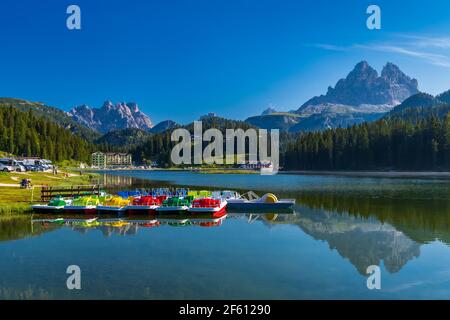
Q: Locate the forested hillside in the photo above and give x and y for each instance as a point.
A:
(24, 133)
(51, 114)
(395, 144)
(158, 146)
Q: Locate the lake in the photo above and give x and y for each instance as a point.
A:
(340, 226)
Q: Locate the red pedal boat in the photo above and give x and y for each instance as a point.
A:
(208, 205)
(145, 205)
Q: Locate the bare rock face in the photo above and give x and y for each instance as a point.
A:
(362, 96)
(363, 86)
(112, 117)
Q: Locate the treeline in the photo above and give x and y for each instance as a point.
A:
(390, 144)
(24, 134)
(393, 143)
(158, 146)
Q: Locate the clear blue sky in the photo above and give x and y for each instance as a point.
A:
(181, 59)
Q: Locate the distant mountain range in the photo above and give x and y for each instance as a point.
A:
(362, 96)
(111, 117)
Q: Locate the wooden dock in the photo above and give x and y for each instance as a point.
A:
(48, 193)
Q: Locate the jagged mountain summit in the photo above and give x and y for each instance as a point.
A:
(363, 95)
(363, 86)
(111, 117)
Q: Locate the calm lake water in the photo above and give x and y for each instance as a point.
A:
(339, 227)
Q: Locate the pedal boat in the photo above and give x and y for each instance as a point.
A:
(83, 205)
(145, 205)
(113, 205)
(208, 206)
(250, 202)
(56, 205)
(175, 205)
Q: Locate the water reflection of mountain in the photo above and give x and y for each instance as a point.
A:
(370, 230)
(364, 241)
(423, 220)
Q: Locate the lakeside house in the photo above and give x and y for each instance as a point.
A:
(104, 160)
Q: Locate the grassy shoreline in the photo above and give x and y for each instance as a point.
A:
(14, 200)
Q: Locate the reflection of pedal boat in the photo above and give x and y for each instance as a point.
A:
(116, 224)
(84, 205)
(88, 223)
(251, 202)
(208, 205)
(46, 221)
(175, 222)
(56, 205)
(114, 204)
(209, 222)
(149, 224)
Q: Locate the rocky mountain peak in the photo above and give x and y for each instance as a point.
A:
(393, 74)
(363, 86)
(112, 116)
(107, 105)
(362, 72)
(133, 106)
(268, 111)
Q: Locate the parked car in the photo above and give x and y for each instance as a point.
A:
(18, 166)
(6, 165)
(34, 168)
(30, 167)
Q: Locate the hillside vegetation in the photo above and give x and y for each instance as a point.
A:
(24, 133)
(51, 114)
